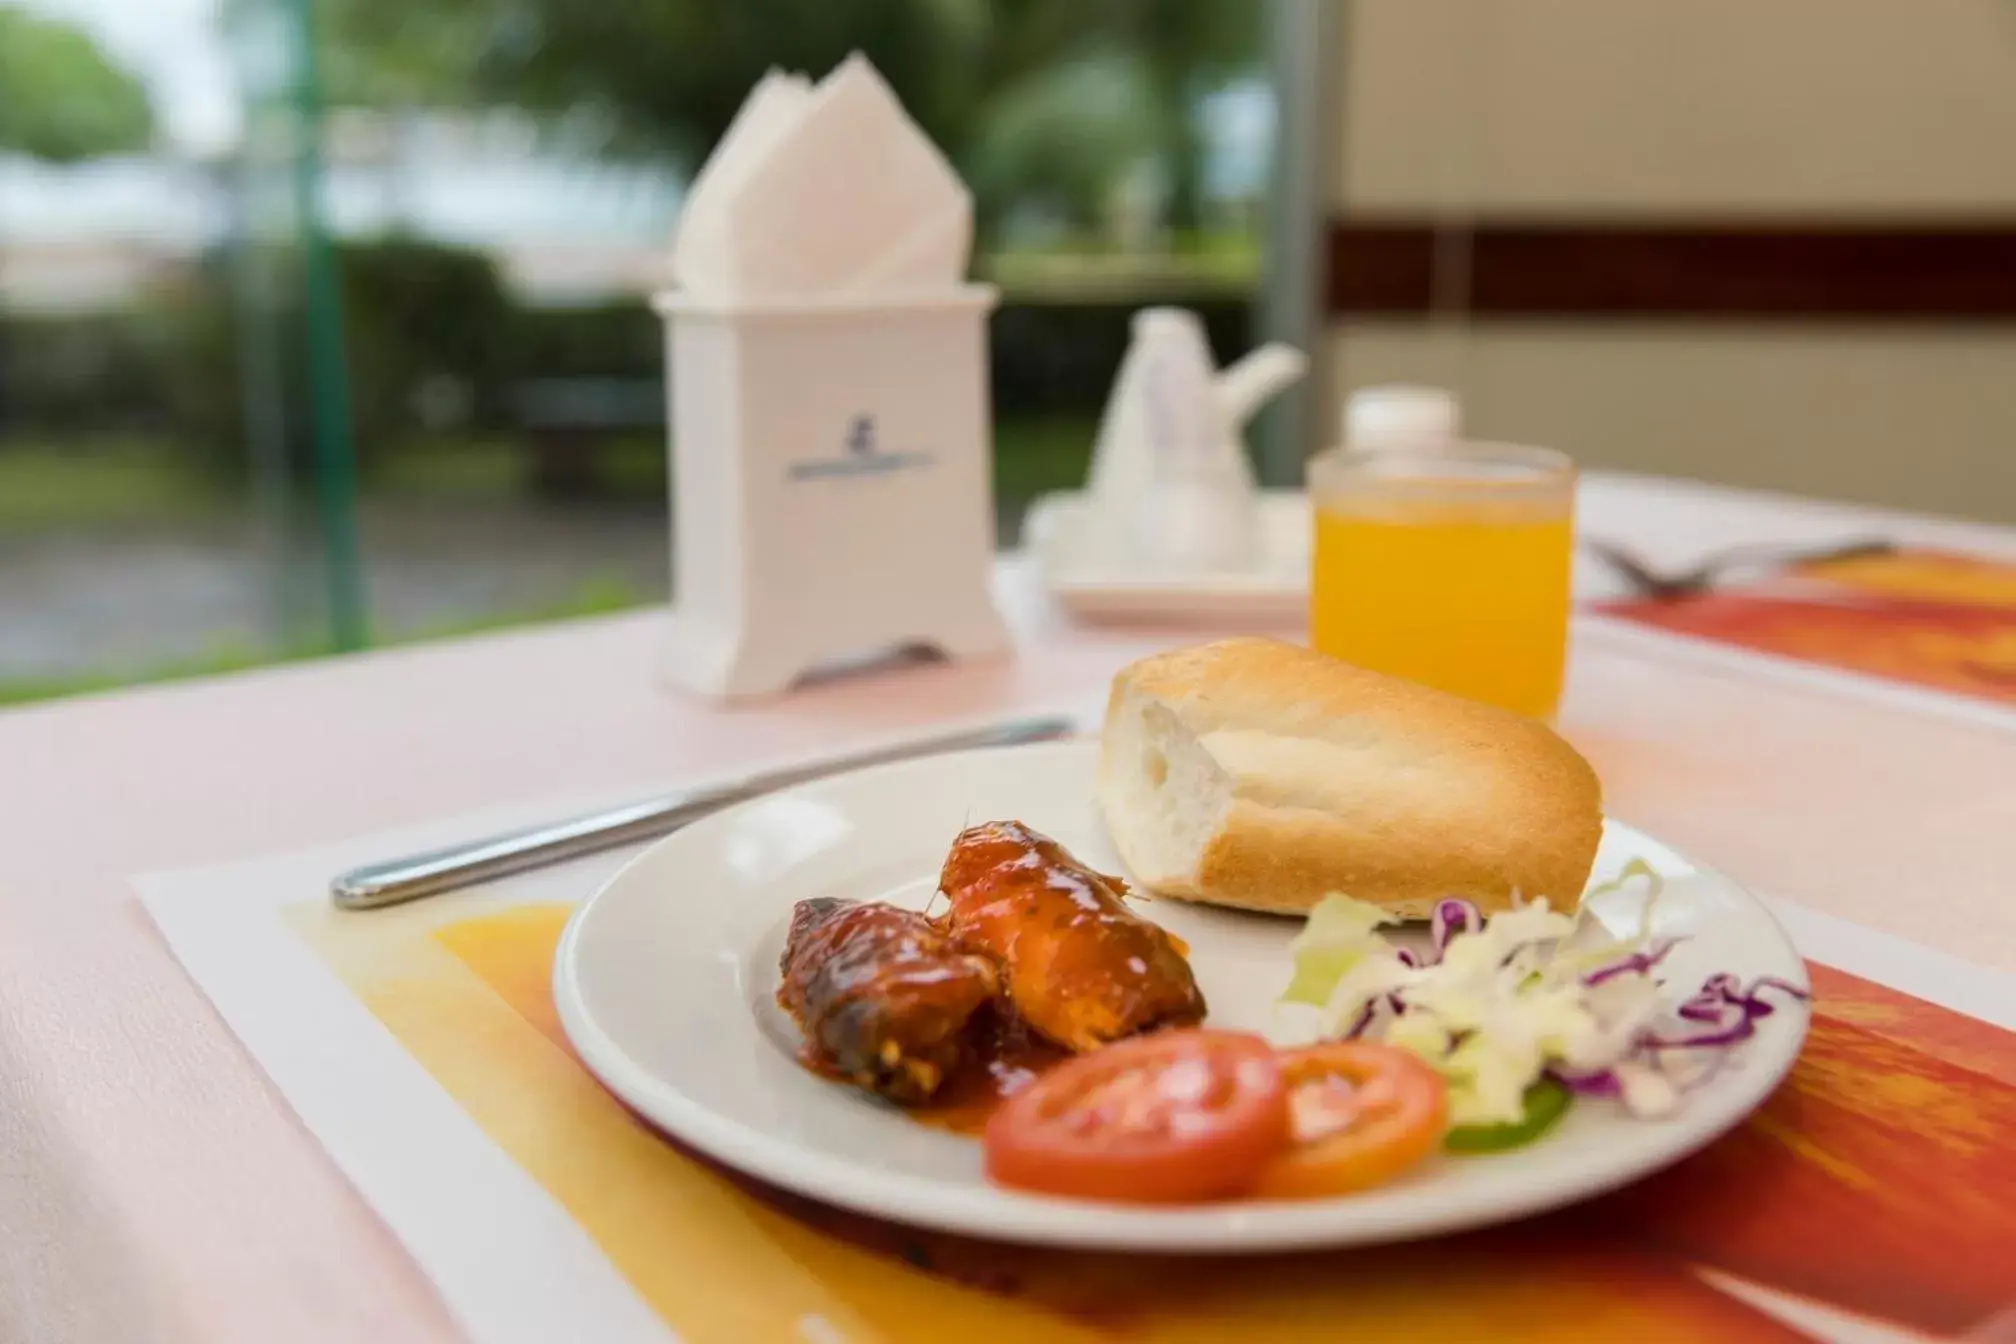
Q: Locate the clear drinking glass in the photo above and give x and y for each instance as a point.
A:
(1447, 565)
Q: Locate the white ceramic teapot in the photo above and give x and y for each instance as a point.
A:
(1170, 478)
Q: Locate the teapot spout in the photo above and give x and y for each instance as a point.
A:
(1245, 386)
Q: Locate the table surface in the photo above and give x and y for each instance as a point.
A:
(156, 1188)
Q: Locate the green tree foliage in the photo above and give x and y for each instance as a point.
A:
(60, 98)
(1042, 98)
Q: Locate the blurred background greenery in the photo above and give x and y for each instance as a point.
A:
(60, 98)
(496, 181)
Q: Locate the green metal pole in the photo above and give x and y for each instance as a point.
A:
(335, 453)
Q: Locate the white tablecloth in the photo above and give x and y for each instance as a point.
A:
(152, 1186)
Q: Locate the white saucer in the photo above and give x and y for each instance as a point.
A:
(1075, 554)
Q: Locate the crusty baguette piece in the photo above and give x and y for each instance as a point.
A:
(1260, 774)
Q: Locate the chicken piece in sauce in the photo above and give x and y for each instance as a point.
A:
(1079, 966)
(882, 995)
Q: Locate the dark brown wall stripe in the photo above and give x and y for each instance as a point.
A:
(1788, 271)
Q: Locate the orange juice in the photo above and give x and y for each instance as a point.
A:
(1454, 579)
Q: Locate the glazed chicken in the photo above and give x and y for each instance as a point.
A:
(882, 995)
(1079, 966)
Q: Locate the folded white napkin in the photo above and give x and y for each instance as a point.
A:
(932, 256)
(823, 189)
(701, 256)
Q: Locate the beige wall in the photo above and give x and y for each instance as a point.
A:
(1633, 106)
(1923, 419)
(1704, 109)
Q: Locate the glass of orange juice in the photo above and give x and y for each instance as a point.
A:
(1447, 564)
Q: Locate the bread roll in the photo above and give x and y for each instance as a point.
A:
(1265, 775)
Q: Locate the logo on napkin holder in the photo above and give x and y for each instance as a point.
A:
(859, 457)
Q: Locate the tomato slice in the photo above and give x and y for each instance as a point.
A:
(1360, 1113)
(1176, 1117)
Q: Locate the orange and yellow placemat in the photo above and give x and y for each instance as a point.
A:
(1870, 1198)
(1923, 618)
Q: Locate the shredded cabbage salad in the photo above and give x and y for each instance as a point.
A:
(1497, 1005)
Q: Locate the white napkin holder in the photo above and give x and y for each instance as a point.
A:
(829, 409)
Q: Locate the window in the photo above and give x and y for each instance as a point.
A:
(328, 326)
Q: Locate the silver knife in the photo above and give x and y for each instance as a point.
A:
(466, 865)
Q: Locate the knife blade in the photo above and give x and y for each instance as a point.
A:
(395, 881)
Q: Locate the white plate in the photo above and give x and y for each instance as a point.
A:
(664, 983)
(1075, 551)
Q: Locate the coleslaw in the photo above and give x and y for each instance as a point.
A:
(1502, 1004)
